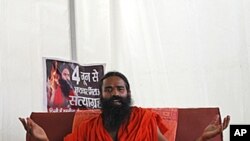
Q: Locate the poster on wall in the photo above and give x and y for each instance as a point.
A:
(70, 86)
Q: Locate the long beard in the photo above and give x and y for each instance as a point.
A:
(114, 115)
(65, 87)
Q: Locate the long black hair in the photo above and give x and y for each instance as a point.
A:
(114, 116)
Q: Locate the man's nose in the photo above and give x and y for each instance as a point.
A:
(115, 92)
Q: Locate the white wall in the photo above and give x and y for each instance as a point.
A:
(175, 53)
(28, 30)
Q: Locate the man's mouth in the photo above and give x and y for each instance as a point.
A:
(117, 102)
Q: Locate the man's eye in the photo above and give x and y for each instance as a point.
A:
(108, 89)
(121, 88)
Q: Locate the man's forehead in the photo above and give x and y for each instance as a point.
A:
(113, 81)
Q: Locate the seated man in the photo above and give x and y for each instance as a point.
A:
(119, 121)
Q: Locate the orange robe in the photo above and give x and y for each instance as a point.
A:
(142, 127)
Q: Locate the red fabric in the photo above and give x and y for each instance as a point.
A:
(142, 127)
(167, 117)
(60, 100)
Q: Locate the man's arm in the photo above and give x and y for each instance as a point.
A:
(34, 129)
(214, 128)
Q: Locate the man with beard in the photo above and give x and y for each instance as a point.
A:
(119, 121)
(61, 89)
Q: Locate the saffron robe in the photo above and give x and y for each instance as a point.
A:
(142, 126)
